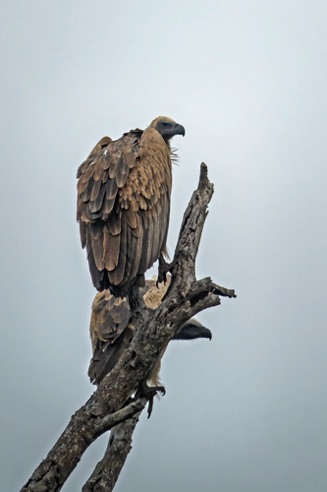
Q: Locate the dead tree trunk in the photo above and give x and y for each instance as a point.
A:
(107, 407)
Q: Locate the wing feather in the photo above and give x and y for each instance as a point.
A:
(95, 188)
(97, 253)
(108, 330)
(96, 230)
(83, 233)
(116, 276)
(111, 188)
(96, 204)
(123, 207)
(135, 251)
(115, 165)
(156, 234)
(115, 224)
(85, 190)
(107, 207)
(111, 246)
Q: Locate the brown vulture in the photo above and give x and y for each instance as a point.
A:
(123, 202)
(111, 331)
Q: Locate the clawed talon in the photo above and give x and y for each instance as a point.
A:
(149, 392)
(163, 269)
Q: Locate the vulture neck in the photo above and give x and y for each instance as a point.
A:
(172, 151)
(167, 142)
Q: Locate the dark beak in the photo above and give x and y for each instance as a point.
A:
(179, 130)
(206, 333)
(191, 331)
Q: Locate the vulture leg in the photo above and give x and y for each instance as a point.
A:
(136, 300)
(149, 392)
(163, 269)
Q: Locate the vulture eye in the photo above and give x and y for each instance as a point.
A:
(165, 124)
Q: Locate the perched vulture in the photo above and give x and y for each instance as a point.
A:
(123, 202)
(111, 331)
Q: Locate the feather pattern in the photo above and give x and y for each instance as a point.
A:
(123, 198)
(111, 330)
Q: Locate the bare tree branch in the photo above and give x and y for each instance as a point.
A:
(153, 330)
(107, 471)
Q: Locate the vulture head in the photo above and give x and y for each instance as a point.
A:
(167, 127)
(192, 329)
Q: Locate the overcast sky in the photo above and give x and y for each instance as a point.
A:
(247, 411)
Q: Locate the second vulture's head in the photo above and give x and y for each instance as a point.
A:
(192, 329)
(167, 127)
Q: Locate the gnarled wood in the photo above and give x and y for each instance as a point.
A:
(107, 471)
(107, 407)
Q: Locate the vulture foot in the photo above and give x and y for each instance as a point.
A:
(149, 392)
(163, 269)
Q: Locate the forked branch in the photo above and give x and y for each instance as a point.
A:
(111, 404)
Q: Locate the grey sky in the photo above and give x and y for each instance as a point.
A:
(247, 79)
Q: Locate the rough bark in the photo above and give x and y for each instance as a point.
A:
(107, 471)
(107, 406)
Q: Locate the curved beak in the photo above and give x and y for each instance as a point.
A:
(192, 329)
(179, 130)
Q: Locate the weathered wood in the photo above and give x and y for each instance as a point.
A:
(107, 471)
(107, 407)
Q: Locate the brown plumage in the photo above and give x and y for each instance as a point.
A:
(123, 202)
(111, 332)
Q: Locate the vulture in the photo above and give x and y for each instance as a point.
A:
(123, 204)
(111, 331)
